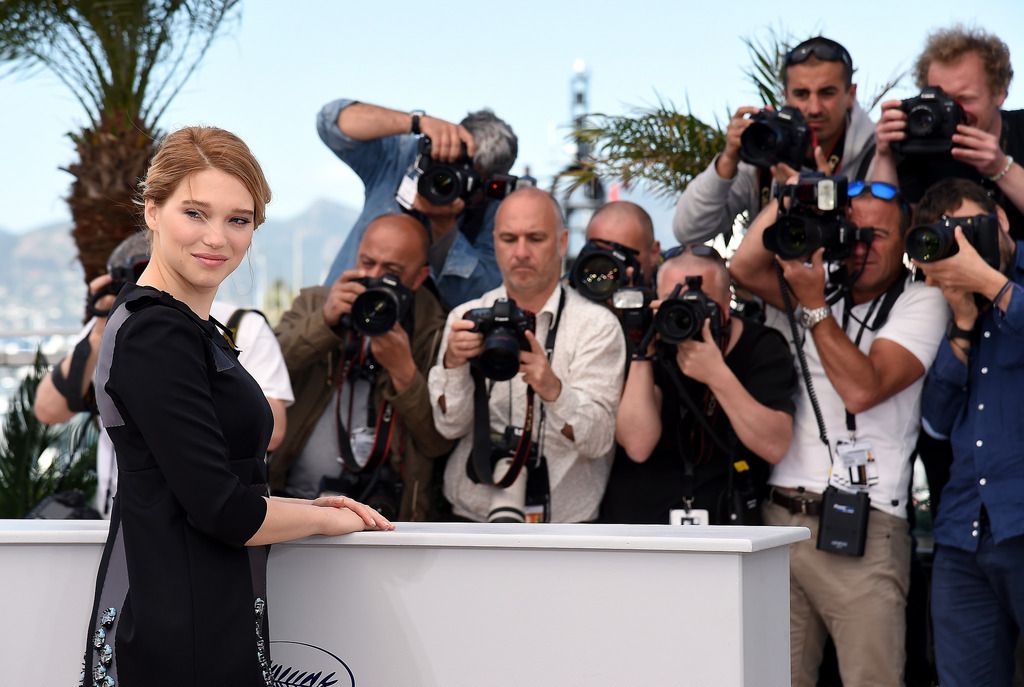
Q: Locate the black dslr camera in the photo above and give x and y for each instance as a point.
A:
(937, 241)
(441, 183)
(504, 326)
(600, 269)
(681, 316)
(816, 217)
(776, 136)
(123, 269)
(932, 118)
(376, 310)
(380, 489)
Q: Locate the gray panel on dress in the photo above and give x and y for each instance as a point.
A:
(108, 411)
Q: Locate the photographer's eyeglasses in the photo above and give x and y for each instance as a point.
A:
(824, 49)
(878, 189)
(699, 250)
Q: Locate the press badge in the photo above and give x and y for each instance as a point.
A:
(855, 467)
(693, 516)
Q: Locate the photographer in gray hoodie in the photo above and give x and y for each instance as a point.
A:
(818, 79)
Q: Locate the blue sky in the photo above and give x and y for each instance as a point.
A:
(268, 76)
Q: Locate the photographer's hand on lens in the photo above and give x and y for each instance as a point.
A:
(394, 351)
(728, 162)
(343, 293)
(447, 139)
(463, 344)
(104, 304)
(964, 271)
(806, 279)
(537, 372)
(891, 127)
(370, 518)
(979, 149)
(701, 360)
(786, 175)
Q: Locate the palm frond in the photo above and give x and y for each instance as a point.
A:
(658, 147)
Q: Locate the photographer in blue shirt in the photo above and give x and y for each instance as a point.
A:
(381, 145)
(972, 396)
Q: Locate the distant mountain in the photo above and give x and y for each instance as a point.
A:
(42, 287)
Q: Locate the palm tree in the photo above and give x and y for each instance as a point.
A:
(124, 61)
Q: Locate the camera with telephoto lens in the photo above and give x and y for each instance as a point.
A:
(775, 136)
(816, 217)
(504, 326)
(124, 267)
(932, 118)
(385, 302)
(937, 241)
(601, 268)
(681, 316)
(509, 504)
(380, 489)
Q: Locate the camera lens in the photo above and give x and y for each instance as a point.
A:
(795, 238)
(678, 321)
(375, 312)
(500, 359)
(928, 243)
(598, 276)
(921, 121)
(440, 185)
(760, 144)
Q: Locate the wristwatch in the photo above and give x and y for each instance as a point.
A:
(810, 317)
(416, 114)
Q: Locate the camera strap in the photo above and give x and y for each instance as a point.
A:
(70, 387)
(384, 423)
(480, 467)
(883, 305)
(728, 449)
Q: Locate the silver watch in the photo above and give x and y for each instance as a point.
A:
(812, 316)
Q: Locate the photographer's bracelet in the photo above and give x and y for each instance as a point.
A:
(1000, 175)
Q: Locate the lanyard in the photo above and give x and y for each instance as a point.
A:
(384, 422)
(851, 419)
(479, 466)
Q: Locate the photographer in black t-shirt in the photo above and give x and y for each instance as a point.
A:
(738, 375)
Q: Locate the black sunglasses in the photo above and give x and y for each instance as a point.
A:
(824, 49)
(699, 250)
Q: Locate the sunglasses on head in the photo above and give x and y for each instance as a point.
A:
(699, 250)
(824, 49)
(878, 189)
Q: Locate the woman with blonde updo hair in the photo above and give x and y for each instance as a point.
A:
(181, 591)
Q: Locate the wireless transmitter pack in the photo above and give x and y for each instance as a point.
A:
(843, 526)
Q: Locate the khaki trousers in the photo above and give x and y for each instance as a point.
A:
(860, 602)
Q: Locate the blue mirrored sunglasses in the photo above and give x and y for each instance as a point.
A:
(879, 189)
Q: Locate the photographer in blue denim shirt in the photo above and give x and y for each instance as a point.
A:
(972, 396)
(382, 146)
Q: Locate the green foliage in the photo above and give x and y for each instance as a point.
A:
(767, 57)
(125, 56)
(658, 146)
(26, 476)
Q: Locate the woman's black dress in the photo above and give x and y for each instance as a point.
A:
(179, 599)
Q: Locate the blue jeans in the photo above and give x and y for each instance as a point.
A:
(977, 609)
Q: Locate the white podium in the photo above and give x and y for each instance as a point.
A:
(452, 604)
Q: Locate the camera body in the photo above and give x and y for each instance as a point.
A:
(816, 217)
(124, 271)
(381, 489)
(932, 118)
(504, 326)
(440, 183)
(600, 269)
(937, 241)
(775, 136)
(385, 302)
(681, 317)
